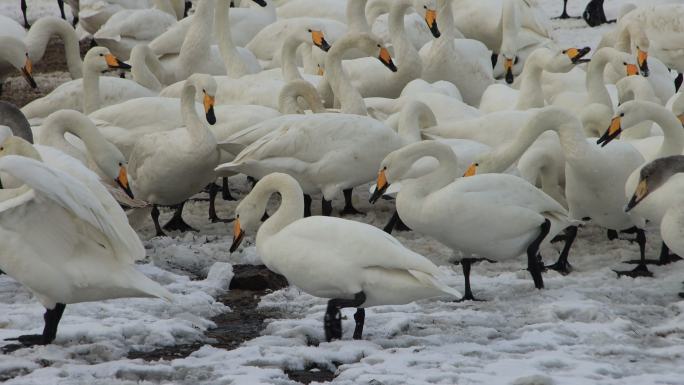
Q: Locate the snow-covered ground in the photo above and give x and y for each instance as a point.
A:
(586, 328)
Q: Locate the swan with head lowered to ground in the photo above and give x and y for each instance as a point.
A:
(352, 263)
(655, 205)
(187, 154)
(91, 92)
(14, 56)
(594, 178)
(516, 216)
(67, 240)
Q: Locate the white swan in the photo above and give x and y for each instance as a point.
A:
(91, 92)
(494, 216)
(499, 97)
(652, 177)
(653, 207)
(127, 28)
(71, 241)
(370, 77)
(39, 35)
(377, 15)
(96, 152)
(188, 153)
(464, 62)
(594, 178)
(94, 13)
(9, 27)
(325, 9)
(362, 268)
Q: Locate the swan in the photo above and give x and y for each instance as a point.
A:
(11, 116)
(70, 241)
(652, 177)
(188, 153)
(94, 13)
(9, 27)
(365, 267)
(464, 62)
(324, 9)
(13, 54)
(129, 27)
(96, 153)
(516, 216)
(39, 35)
(594, 178)
(499, 97)
(370, 77)
(417, 32)
(653, 207)
(73, 4)
(91, 92)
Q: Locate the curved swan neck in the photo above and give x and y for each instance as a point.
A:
(356, 16)
(291, 203)
(445, 21)
(509, 25)
(568, 127)
(409, 62)
(146, 69)
(531, 92)
(673, 134)
(194, 125)
(596, 88)
(443, 175)
(91, 89)
(196, 45)
(350, 99)
(412, 115)
(235, 67)
(635, 88)
(287, 100)
(39, 35)
(288, 56)
(59, 123)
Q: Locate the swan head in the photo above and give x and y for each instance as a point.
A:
(113, 164)
(15, 52)
(373, 47)
(101, 60)
(318, 38)
(14, 145)
(653, 175)
(206, 84)
(628, 114)
(576, 55)
(428, 10)
(678, 108)
(642, 45)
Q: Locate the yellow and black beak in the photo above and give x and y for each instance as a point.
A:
(380, 187)
(386, 59)
(321, 71)
(577, 55)
(209, 108)
(122, 181)
(639, 195)
(431, 20)
(508, 67)
(472, 170)
(319, 40)
(238, 235)
(27, 72)
(613, 131)
(642, 60)
(681, 118)
(631, 69)
(115, 64)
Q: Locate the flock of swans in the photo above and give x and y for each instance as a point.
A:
(487, 136)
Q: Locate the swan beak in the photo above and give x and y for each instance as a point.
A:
(262, 3)
(472, 170)
(613, 131)
(319, 40)
(576, 55)
(321, 71)
(632, 69)
(639, 195)
(380, 187)
(122, 181)
(209, 109)
(642, 59)
(508, 66)
(681, 118)
(238, 235)
(386, 59)
(27, 72)
(115, 63)
(431, 20)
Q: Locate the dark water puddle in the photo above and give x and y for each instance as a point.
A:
(243, 323)
(311, 374)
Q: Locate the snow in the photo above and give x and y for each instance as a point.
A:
(589, 327)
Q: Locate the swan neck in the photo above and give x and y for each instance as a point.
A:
(445, 21)
(288, 99)
(196, 45)
(289, 59)
(91, 90)
(408, 59)
(410, 123)
(442, 176)
(39, 35)
(356, 16)
(291, 206)
(146, 69)
(350, 98)
(531, 92)
(192, 122)
(673, 134)
(596, 88)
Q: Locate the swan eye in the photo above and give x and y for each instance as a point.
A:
(425, 6)
(384, 168)
(309, 30)
(379, 46)
(622, 114)
(2, 148)
(120, 164)
(477, 164)
(101, 54)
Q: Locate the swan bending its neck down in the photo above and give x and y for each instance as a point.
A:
(70, 241)
(366, 267)
(14, 52)
(518, 217)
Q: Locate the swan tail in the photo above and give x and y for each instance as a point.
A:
(432, 281)
(149, 287)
